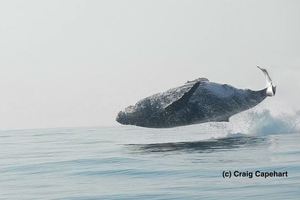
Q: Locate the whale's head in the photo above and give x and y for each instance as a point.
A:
(126, 116)
(121, 118)
(141, 114)
(132, 115)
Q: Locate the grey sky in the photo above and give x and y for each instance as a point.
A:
(77, 63)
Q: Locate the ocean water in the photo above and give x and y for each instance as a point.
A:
(127, 162)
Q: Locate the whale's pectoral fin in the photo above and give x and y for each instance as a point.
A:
(224, 119)
(176, 105)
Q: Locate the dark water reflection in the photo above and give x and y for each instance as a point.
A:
(228, 143)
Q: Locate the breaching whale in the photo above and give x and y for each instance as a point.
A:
(196, 101)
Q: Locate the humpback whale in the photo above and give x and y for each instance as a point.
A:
(196, 101)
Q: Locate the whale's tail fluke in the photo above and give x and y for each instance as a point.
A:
(271, 89)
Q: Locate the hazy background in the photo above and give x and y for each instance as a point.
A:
(77, 63)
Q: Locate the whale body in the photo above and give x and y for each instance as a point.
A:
(196, 101)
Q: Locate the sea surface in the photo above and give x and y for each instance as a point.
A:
(127, 162)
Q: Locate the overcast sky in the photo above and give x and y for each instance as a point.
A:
(67, 63)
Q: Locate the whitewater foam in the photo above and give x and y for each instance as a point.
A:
(264, 122)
